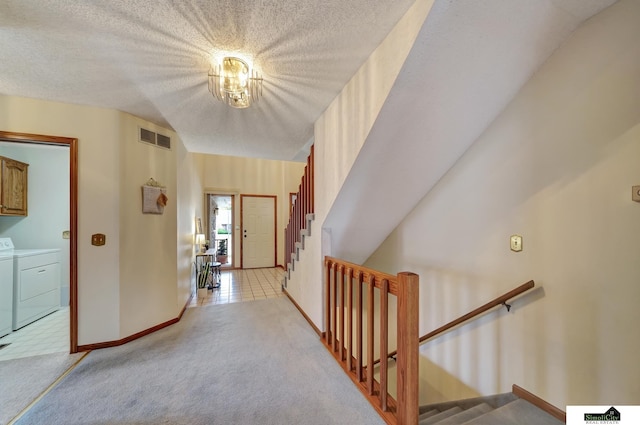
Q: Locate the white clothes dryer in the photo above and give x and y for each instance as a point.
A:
(6, 286)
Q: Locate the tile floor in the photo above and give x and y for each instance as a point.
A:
(51, 333)
(244, 285)
(45, 336)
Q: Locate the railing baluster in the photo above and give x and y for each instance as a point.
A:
(334, 306)
(359, 328)
(349, 319)
(303, 195)
(309, 182)
(312, 174)
(327, 310)
(341, 313)
(299, 213)
(384, 341)
(370, 335)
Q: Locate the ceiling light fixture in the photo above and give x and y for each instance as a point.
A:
(234, 83)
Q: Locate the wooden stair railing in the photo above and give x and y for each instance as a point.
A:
(345, 281)
(501, 300)
(303, 205)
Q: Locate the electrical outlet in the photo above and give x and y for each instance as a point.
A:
(516, 243)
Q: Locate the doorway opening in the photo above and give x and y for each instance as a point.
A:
(220, 213)
(69, 293)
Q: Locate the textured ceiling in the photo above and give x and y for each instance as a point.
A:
(150, 58)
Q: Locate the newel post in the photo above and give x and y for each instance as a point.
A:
(407, 357)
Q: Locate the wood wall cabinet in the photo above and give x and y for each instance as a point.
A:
(13, 190)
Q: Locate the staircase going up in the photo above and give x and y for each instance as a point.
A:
(294, 255)
(501, 409)
(300, 218)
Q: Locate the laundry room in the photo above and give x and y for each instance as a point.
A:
(34, 232)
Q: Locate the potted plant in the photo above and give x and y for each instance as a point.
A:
(221, 254)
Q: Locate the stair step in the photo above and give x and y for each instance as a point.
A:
(440, 416)
(467, 415)
(494, 401)
(518, 412)
(428, 414)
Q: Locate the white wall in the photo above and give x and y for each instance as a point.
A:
(556, 167)
(339, 135)
(47, 203)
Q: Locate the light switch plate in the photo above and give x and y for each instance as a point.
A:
(635, 193)
(516, 243)
(98, 239)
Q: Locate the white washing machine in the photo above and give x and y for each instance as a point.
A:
(36, 284)
(6, 286)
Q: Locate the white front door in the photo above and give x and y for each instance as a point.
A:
(258, 231)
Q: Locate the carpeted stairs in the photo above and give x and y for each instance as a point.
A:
(502, 409)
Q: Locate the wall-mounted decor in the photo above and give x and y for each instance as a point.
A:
(154, 197)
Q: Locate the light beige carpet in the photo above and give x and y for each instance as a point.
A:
(245, 363)
(23, 380)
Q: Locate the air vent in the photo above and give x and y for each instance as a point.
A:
(164, 141)
(148, 136)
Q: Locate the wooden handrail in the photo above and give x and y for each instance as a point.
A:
(488, 306)
(345, 283)
(482, 309)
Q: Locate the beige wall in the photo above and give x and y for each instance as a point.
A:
(556, 167)
(98, 134)
(189, 202)
(249, 176)
(136, 280)
(148, 269)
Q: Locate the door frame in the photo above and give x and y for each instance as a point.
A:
(275, 226)
(231, 248)
(72, 143)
